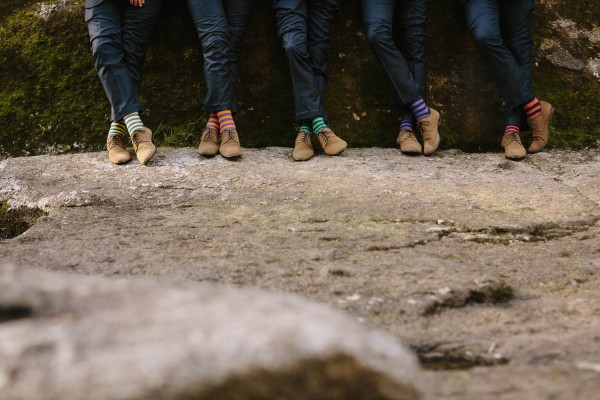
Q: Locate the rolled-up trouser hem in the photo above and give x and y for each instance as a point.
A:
(136, 107)
(219, 107)
(310, 115)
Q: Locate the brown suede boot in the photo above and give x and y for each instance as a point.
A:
(117, 153)
(428, 127)
(303, 148)
(209, 142)
(142, 144)
(230, 144)
(539, 127)
(408, 142)
(513, 148)
(331, 144)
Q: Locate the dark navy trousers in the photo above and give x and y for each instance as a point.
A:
(221, 26)
(396, 31)
(120, 35)
(502, 30)
(305, 29)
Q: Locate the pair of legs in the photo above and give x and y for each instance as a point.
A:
(220, 25)
(502, 30)
(396, 31)
(120, 34)
(305, 29)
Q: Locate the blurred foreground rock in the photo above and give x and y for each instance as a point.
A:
(64, 336)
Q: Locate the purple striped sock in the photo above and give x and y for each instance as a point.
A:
(406, 124)
(420, 109)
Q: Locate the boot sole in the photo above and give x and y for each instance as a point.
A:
(207, 154)
(302, 159)
(231, 155)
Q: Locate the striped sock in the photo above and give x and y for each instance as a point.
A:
(117, 128)
(532, 108)
(420, 109)
(512, 128)
(406, 124)
(306, 126)
(318, 124)
(213, 121)
(133, 122)
(226, 120)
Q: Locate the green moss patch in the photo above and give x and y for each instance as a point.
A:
(14, 222)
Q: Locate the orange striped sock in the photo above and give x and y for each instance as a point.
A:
(532, 107)
(213, 121)
(226, 120)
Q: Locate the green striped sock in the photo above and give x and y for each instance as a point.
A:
(306, 126)
(318, 124)
(133, 122)
(117, 128)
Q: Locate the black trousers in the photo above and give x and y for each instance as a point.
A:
(120, 35)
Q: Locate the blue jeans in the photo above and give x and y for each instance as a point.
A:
(502, 30)
(120, 35)
(304, 27)
(220, 25)
(396, 31)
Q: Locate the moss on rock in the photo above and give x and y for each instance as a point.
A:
(52, 101)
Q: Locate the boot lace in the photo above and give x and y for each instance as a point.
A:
(423, 125)
(407, 134)
(230, 135)
(535, 123)
(305, 137)
(210, 135)
(115, 140)
(513, 137)
(326, 134)
(136, 139)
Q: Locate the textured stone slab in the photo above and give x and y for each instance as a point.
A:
(64, 336)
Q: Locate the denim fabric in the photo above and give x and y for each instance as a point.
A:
(220, 25)
(304, 27)
(396, 33)
(502, 30)
(120, 35)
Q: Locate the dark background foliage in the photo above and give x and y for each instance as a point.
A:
(51, 100)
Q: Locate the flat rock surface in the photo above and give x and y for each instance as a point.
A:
(489, 269)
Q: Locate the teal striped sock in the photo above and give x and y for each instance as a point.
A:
(306, 127)
(117, 128)
(318, 124)
(133, 122)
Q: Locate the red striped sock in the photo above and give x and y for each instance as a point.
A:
(532, 107)
(226, 120)
(213, 121)
(511, 128)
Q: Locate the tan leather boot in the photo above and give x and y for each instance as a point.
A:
(303, 148)
(142, 144)
(408, 142)
(539, 127)
(209, 142)
(513, 148)
(428, 127)
(331, 144)
(117, 153)
(230, 144)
